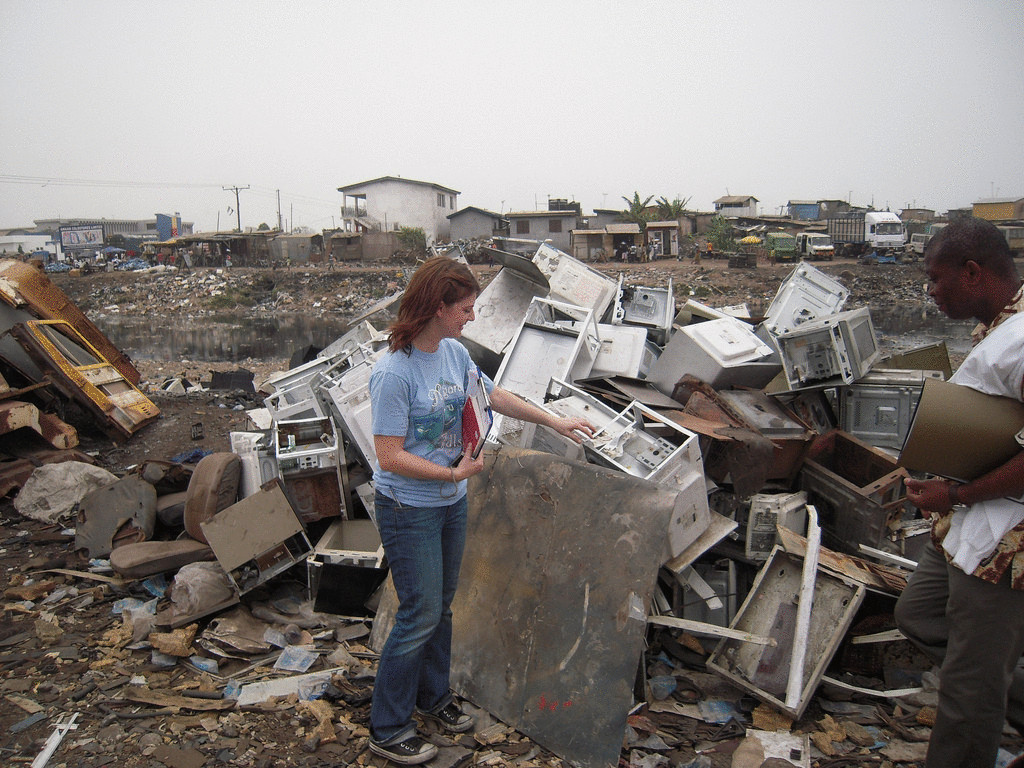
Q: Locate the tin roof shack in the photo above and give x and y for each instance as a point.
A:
(344, 246)
(999, 208)
(736, 205)
(665, 235)
(590, 244)
(212, 249)
(298, 249)
(477, 223)
(552, 227)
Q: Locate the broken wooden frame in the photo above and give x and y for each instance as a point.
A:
(770, 610)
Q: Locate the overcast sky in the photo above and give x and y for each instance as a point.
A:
(127, 109)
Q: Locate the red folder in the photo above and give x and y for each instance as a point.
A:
(476, 415)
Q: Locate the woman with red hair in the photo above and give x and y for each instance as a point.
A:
(417, 393)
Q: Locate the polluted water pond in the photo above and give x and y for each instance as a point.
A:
(234, 338)
(220, 339)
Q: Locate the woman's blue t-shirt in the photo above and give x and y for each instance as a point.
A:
(420, 396)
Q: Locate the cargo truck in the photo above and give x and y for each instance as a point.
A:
(781, 246)
(863, 233)
(1014, 235)
(814, 245)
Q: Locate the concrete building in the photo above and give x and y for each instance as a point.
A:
(804, 210)
(604, 216)
(917, 214)
(144, 228)
(999, 208)
(736, 205)
(477, 223)
(553, 227)
(390, 203)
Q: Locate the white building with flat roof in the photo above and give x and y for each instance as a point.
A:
(391, 203)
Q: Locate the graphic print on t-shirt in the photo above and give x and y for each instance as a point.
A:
(438, 426)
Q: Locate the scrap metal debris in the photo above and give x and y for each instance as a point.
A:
(674, 541)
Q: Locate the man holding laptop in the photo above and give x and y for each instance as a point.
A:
(964, 604)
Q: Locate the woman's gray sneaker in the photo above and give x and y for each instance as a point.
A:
(412, 751)
(450, 717)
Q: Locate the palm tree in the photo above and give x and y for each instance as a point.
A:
(671, 210)
(637, 212)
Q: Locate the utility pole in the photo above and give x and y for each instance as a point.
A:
(279, 211)
(238, 209)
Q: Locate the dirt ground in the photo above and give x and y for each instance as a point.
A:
(84, 665)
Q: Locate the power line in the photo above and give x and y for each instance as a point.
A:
(56, 181)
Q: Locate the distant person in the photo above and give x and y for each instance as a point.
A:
(964, 603)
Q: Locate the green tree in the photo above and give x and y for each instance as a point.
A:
(671, 210)
(637, 212)
(263, 227)
(413, 238)
(721, 235)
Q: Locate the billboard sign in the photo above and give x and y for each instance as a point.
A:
(81, 237)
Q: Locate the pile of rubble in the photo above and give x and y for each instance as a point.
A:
(736, 530)
(205, 292)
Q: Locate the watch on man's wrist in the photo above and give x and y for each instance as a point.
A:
(953, 490)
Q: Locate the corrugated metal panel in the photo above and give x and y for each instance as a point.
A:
(994, 210)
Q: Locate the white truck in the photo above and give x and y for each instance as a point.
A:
(863, 233)
(814, 245)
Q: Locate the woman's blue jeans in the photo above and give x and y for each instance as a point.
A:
(424, 549)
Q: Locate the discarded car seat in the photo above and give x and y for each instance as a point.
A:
(170, 509)
(148, 558)
(120, 513)
(166, 476)
(213, 487)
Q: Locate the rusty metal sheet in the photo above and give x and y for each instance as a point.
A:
(315, 493)
(561, 562)
(82, 374)
(23, 284)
